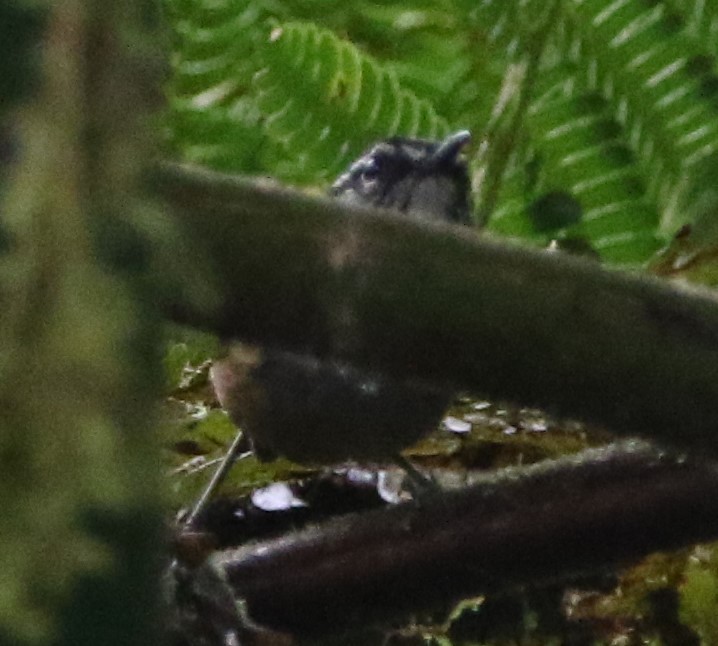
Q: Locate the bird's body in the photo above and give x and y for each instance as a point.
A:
(321, 412)
(315, 411)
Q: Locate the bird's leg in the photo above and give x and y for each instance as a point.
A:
(420, 486)
(216, 480)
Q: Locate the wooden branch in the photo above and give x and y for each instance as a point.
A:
(552, 521)
(635, 354)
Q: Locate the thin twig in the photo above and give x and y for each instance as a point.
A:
(217, 478)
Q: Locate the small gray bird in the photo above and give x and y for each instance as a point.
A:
(316, 411)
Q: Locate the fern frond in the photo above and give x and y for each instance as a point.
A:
(213, 44)
(583, 151)
(324, 99)
(213, 120)
(648, 60)
(702, 21)
(620, 120)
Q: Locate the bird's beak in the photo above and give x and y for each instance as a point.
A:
(450, 148)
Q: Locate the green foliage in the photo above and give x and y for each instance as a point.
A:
(20, 27)
(617, 107)
(364, 101)
(78, 367)
(186, 352)
(699, 596)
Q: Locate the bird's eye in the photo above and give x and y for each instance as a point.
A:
(370, 174)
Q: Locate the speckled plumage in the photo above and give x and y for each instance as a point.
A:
(422, 178)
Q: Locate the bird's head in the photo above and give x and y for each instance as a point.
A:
(425, 179)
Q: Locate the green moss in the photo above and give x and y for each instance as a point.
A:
(699, 597)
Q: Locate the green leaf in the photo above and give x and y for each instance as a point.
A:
(333, 110)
